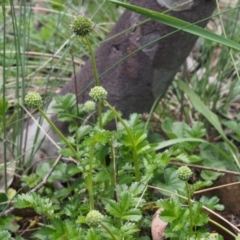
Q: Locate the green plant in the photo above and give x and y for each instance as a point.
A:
(187, 222)
(121, 201)
(116, 168)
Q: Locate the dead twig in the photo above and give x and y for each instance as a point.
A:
(207, 168)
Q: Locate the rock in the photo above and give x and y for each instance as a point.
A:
(157, 226)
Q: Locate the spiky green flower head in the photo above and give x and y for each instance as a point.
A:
(184, 173)
(33, 100)
(81, 26)
(98, 94)
(94, 218)
(89, 106)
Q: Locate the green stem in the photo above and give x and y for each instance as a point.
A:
(135, 156)
(223, 228)
(108, 230)
(96, 78)
(94, 65)
(100, 114)
(53, 126)
(89, 180)
(190, 207)
(113, 176)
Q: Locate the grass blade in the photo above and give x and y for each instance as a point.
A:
(180, 24)
(212, 118)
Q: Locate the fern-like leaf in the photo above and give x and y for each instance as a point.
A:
(123, 209)
(40, 205)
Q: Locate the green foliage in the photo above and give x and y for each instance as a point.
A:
(59, 229)
(93, 235)
(171, 182)
(182, 130)
(212, 157)
(211, 203)
(41, 205)
(3, 201)
(235, 127)
(107, 117)
(174, 129)
(66, 108)
(201, 184)
(61, 172)
(7, 223)
(93, 144)
(124, 208)
(110, 185)
(178, 219)
(97, 136)
(110, 171)
(5, 235)
(214, 120)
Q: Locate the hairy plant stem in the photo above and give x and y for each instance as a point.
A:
(135, 156)
(94, 65)
(99, 105)
(96, 78)
(56, 130)
(190, 208)
(108, 230)
(89, 179)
